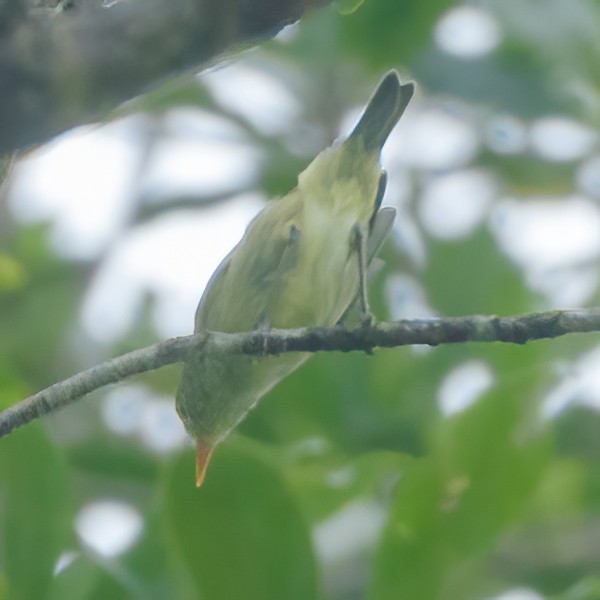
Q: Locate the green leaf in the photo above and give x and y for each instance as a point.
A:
(482, 470)
(347, 7)
(241, 535)
(77, 581)
(491, 284)
(324, 484)
(401, 29)
(410, 556)
(12, 273)
(493, 462)
(37, 512)
(588, 589)
(137, 575)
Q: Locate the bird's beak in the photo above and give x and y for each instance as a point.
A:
(203, 456)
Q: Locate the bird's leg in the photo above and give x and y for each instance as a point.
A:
(263, 325)
(359, 245)
(341, 323)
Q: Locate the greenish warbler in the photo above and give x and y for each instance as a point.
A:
(301, 263)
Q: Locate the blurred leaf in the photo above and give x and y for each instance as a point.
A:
(141, 573)
(35, 318)
(588, 589)
(514, 79)
(12, 274)
(528, 176)
(178, 92)
(37, 519)
(324, 484)
(561, 491)
(76, 581)
(105, 455)
(484, 467)
(471, 276)
(347, 7)
(151, 560)
(92, 577)
(577, 433)
(567, 40)
(241, 535)
(410, 559)
(384, 33)
(12, 386)
(494, 464)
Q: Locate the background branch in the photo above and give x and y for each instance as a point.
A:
(61, 67)
(516, 329)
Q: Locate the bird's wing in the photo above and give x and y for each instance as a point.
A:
(213, 283)
(249, 282)
(381, 227)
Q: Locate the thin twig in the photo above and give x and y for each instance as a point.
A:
(432, 332)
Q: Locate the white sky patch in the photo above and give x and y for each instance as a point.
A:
(588, 177)
(161, 428)
(84, 180)
(560, 139)
(123, 408)
(109, 527)
(406, 297)
(188, 166)
(399, 188)
(453, 205)
(172, 258)
(468, 32)
(349, 531)
(555, 242)
(549, 233)
(580, 383)
(518, 594)
(463, 386)
(505, 134)
(432, 138)
(80, 182)
(192, 123)
(409, 239)
(565, 286)
(254, 94)
(135, 410)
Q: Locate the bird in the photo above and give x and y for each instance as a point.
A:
(301, 262)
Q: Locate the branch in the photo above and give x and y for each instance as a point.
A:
(432, 332)
(64, 67)
(151, 208)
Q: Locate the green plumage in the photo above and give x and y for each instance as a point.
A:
(296, 266)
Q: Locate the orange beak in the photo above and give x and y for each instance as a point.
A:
(203, 456)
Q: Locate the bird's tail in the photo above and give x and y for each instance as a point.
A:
(384, 109)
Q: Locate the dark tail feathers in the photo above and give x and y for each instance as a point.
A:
(383, 111)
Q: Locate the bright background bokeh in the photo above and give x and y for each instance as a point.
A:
(455, 472)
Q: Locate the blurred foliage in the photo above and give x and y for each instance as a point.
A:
(349, 481)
